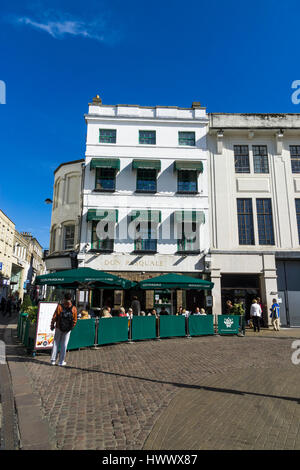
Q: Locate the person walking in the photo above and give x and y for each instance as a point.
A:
(63, 321)
(255, 314)
(136, 306)
(275, 315)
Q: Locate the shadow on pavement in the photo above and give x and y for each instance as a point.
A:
(163, 382)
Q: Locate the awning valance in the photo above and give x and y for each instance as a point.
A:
(189, 216)
(84, 278)
(194, 165)
(146, 164)
(110, 215)
(175, 281)
(105, 163)
(146, 216)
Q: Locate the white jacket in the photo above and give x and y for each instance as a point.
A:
(255, 310)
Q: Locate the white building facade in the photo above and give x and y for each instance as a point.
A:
(254, 180)
(145, 192)
(66, 216)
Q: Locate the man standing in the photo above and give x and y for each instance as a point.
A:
(63, 320)
(275, 315)
(255, 314)
(136, 306)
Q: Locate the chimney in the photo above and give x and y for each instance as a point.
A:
(196, 105)
(97, 100)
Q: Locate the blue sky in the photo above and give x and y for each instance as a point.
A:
(231, 56)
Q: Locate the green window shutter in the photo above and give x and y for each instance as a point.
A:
(146, 215)
(146, 164)
(189, 216)
(105, 163)
(111, 215)
(188, 165)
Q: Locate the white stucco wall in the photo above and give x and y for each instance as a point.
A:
(167, 122)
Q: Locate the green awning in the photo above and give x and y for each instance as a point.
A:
(111, 215)
(105, 163)
(146, 216)
(85, 278)
(175, 281)
(195, 165)
(146, 164)
(189, 216)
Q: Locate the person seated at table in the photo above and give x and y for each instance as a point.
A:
(185, 312)
(105, 313)
(130, 313)
(143, 314)
(122, 312)
(197, 311)
(202, 311)
(163, 311)
(180, 310)
(84, 315)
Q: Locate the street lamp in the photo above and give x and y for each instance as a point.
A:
(48, 201)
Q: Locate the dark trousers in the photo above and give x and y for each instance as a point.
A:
(256, 323)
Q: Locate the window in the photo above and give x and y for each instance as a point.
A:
(187, 181)
(107, 136)
(146, 237)
(105, 179)
(245, 221)
(295, 158)
(146, 180)
(107, 242)
(297, 201)
(69, 233)
(265, 222)
(147, 137)
(241, 159)
(189, 240)
(260, 159)
(186, 138)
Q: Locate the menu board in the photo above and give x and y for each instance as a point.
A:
(44, 336)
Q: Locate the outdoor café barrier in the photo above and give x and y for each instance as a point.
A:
(112, 330)
(102, 331)
(83, 334)
(201, 325)
(143, 328)
(171, 325)
(228, 324)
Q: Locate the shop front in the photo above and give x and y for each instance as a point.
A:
(240, 288)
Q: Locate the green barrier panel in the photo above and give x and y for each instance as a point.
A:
(201, 325)
(22, 324)
(83, 335)
(23, 329)
(19, 325)
(143, 328)
(171, 325)
(26, 332)
(112, 330)
(228, 324)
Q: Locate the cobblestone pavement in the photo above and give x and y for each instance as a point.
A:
(204, 392)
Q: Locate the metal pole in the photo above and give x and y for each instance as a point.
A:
(130, 332)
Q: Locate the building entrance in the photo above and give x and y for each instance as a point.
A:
(241, 287)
